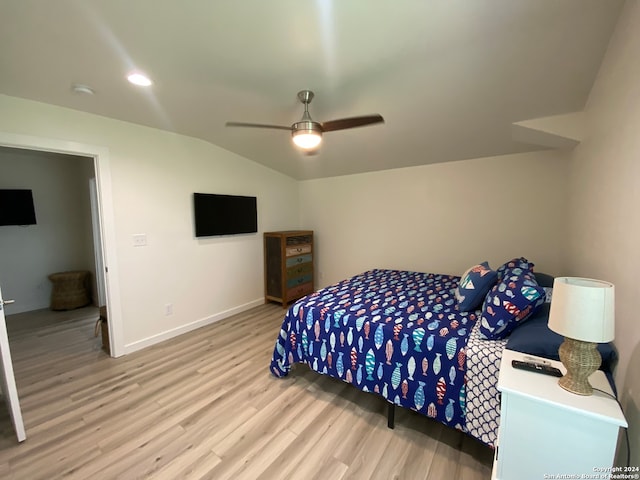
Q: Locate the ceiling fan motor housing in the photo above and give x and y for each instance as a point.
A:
(306, 126)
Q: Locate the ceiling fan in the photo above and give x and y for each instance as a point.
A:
(307, 133)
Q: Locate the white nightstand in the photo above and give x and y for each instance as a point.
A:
(546, 431)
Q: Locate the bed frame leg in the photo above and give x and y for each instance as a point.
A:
(391, 415)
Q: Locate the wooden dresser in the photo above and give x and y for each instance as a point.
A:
(288, 265)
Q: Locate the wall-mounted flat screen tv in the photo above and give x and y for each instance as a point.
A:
(224, 214)
(16, 207)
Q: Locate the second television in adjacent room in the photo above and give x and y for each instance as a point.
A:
(16, 207)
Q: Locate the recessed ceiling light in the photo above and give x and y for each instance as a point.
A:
(82, 89)
(140, 79)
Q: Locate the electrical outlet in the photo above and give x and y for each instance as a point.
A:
(140, 240)
(168, 309)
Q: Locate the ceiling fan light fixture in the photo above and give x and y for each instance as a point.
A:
(306, 135)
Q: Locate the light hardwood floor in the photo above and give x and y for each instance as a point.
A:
(204, 405)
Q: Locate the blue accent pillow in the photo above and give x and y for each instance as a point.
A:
(520, 265)
(474, 285)
(514, 299)
(535, 338)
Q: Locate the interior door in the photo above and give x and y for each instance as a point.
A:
(9, 390)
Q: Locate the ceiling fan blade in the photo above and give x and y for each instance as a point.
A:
(344, 123)
(256, 125)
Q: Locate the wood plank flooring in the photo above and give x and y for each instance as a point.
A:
(204, 406)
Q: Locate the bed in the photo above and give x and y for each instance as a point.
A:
(415, 339)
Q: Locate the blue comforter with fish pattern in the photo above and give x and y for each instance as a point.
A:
(396, 333)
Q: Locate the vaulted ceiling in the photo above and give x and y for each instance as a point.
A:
(450, 77)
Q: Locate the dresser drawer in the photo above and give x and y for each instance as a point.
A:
(299, 291)
(299, 260)
(293, 282)
(298, 250)
(298, 270)
(299, 240)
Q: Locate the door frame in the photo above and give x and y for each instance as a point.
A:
(97, 241)
(106, 223)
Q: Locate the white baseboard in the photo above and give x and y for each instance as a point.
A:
(161, 337)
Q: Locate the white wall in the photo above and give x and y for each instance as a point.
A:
(153, 175)
(440, 218)
(61, 239)
(605, 200)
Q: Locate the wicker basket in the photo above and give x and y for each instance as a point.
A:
(70, 290)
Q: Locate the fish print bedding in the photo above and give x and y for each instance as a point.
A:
(395, 333)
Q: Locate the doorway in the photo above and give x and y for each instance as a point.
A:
(104, 223)
(61, 238)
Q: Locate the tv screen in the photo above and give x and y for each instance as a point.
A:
(16, 207)
(224, 214)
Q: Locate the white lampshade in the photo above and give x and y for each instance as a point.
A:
(583, 309)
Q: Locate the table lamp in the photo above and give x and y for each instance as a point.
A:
(582, 310)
